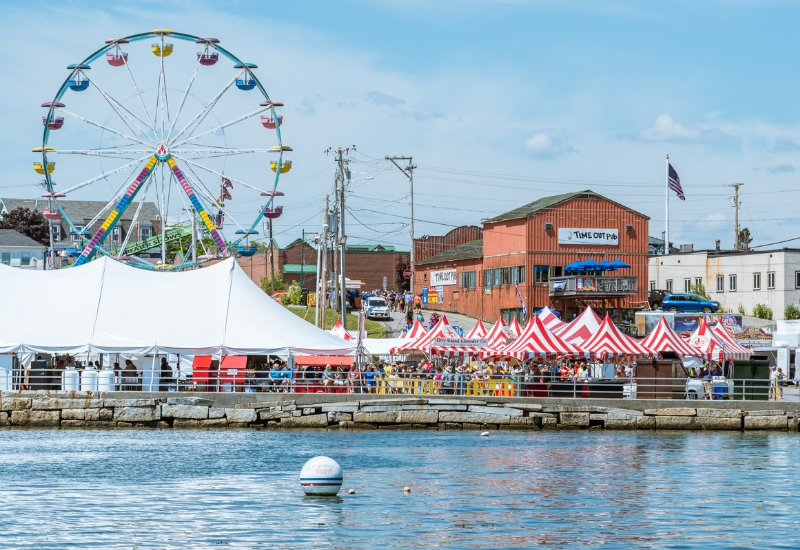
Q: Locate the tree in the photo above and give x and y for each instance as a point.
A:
(30, 223)
(700, 290)
(184, 246)
(744, 239)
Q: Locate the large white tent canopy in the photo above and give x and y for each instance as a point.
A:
(108, 307)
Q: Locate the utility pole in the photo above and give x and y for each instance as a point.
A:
(318, 242)
(736, 187)
(302, 258)
(271, 262)
(323, 295)
(342, 173)
(194, 238)
(409, 173)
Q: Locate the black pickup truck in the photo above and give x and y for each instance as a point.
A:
(655, 297)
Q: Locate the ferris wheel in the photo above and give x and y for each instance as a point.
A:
(147, 119)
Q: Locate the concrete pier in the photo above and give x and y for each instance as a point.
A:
(58, 409)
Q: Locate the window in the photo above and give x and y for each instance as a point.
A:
(732, 283)
(756, 281)
(770, 279)
(26, 258)
(55, 230)
(6, 258)
(116, 233)
(145, 232)
(487, 278)
(541, 273)
(467, 279)
(425, 276)
(521, 274)
(514, 276)
(511, 313)
(720, 283)
(557, 270)
(687, 285)
(652, 285)
(77, 237)
(669, 285)
(497, 277)
(797, 279)
(698, 281)
(506, 277)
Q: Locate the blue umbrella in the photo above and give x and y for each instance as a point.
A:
(607, 266)
(591, 265)
(619, 264)
(574, 267)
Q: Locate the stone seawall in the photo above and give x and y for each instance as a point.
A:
(38, 409)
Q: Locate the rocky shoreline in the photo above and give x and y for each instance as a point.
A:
(37, 409)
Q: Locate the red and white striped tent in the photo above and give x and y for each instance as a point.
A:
(478, 331)
(608, 341)
(715, 346)
(733, 347)
(550, 319)
(339, 330)
(514, 329)
(497, 338)
(583, 327)
(425, 342)
(417, 330)
(663, 338)
(538, 340)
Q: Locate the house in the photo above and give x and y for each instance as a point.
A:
(86, 215)
(17, 250)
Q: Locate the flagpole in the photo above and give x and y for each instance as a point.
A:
(666, 203)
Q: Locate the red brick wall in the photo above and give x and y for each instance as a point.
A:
(427, 247)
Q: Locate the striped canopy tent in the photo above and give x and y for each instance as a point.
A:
(478, 331)
(424, 343)
(731, 345)
(514, 329)
(550, 319)
(608, 341)
(538, 340)
(663, 338)
(583, 327)
(497, 338)
(339, 330)
(715, 346)
(417, 330)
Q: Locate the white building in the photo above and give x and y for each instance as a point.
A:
(17, 250)
(734, 279)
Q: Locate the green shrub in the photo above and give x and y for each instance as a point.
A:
(761, 311)
(741, 309)
(266, 284)
(700, 290)
(292, 298)
(792, 312)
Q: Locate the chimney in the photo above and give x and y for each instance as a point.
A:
(717, 244)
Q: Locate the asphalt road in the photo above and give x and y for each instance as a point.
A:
(397, 325)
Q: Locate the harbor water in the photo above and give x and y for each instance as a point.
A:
(240, 489)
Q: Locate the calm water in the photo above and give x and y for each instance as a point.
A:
(240, 489)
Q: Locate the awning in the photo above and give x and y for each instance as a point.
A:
(322, 360)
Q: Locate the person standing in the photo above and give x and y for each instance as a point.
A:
(165, 378)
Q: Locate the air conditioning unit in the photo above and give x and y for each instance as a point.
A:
(687, 247)
(548, 226)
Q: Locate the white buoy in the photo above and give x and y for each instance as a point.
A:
(406, 489)
(485, 434)
(351, 492)
(321, 476)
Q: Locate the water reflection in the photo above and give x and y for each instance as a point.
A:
(170, 489)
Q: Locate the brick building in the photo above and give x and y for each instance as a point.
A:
(374, 265)
(528, 248)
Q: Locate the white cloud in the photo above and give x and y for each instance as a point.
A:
(667, 129)
(548, 144)
(384, 100)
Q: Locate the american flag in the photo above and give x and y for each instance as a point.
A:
(675, 183)
(522, 303)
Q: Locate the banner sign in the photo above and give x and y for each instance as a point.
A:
(424, 295)
(604, 237)
(586, 283)
(559, 284)
(446, 277)
(461, 342)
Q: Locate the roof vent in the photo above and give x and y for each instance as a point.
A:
(687, 247)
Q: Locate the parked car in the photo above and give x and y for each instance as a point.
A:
(377, 308)
(688, 303)
(655, 297)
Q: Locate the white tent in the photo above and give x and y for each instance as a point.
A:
(106, 306)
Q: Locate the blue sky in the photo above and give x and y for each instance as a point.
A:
(499, 102)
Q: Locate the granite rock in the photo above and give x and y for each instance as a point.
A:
(310, 421)
(767, 422)
(36, 418)
(193, 412)
(419, 417)
(241, 415)
(135, 414)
